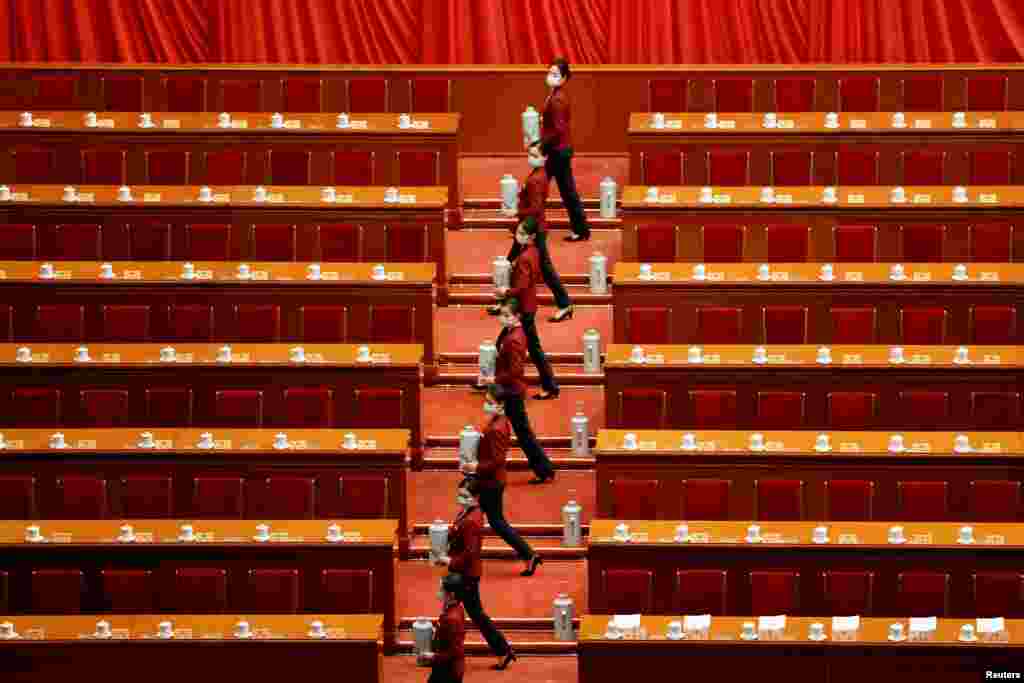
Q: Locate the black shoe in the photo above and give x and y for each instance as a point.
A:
(576, 237)
(548, 396)
(563, 315)
(542, 480)
(535, 562)
(510, 656)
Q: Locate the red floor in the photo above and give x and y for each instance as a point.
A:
(550, 669)
(446, 410)
(481, 175)
(461, 329)
(471, 251)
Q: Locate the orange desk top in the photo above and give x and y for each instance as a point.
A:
(226, 441)
(872, 630)
(874, 534)
(802, 197)
(814, 122)
(668, 443)
(843, 274)
(234, 195)
(806, 355)
(189, 626)
(220, 272)
(207, 532)
(253, 355)
(242, 122)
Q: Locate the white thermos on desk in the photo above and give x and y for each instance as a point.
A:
(572, 533)
(598, 273)
(580, 432)
(438, 539)
(608, 198)
(488, 361)
(592, 352)
(563, 616)
(469, 441)
(423, 634)
(531, 126)
(502, 272)
(509, 194)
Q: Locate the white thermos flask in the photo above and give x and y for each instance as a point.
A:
(608, 198)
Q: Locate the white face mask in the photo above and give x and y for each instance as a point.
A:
(522, 239)
(554, 80)
(492, 408)
(535, 162)
(507, 320)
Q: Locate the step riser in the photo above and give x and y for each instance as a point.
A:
(480, 648)
(484, 299)
(444, 377)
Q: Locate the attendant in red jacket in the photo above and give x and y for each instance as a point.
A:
(555, 143)
(447, 658)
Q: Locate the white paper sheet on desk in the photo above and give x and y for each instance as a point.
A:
(627, 621)
(696, 622)
(774, 623)
(845, 623)
(923, 624)
(993, 625)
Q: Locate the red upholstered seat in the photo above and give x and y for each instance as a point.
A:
(352, 167)
(992, 167)
(238, 407)
(656, 242)
(283, 497)
(126, 323)
(666, 95)
(32, 407)
(635, 498)
(392, 324)
(20, 242)
(323, 324)
(923, 501)
(995, 409)
(714, 409)
(129, 591)
(103, 166)
(991, 242)
(922, 594)
(105, 407)
(648, 325)
(18, 497)
(774, 591)
(781, 409)
(57, 591)
(169, 407)
(923, 93)
(149, 240)
(794, 94)
(719, 325)
(856, 167)
(122, 92)
(35, 166)
(339, 242)
(192, 323)
(303, 94)
(258, 323)
(5, 592)
(924, 167)
(430, 95)
(54, 91)
(200, 590)
(407, 243)
(792, 168)
(80, 497)
(273, 242)
(779, 499)
(987, 92)
(290, 166)
(854, 324)
(308, 407)
(643, 409)
(662, 168)
(849, 499)
(855, 243)
(995, 500)
(993, 325)
(847, 592)
(77, 242)
(346, 591)
(923, 325)
(218, 497)
(208, 242)
(379, 408)
(924, 409)
(997, 594)
(859, 93)
(627, 591)
(787, 243)
(63, 323)
(723, 243)
(144, 496)
(706, 499)
(852, 409)
(734, 94)
(273, 591)
(923, 242)
(6, 323)
(367, 95)
(418, 168)
(701, 591)
(728, 168)
(167, 167)
(356, 496)
(185, 93)
(226, 167)
(241, 94)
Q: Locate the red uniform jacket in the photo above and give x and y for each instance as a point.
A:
(533, 198)
(449, 644)
(490, 469)
(509, 367)
(465, 539)
(526, 275)
(554, 129)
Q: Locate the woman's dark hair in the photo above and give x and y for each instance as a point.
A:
(563, 67)
(513, 305)
(497, 392)
(472, 485)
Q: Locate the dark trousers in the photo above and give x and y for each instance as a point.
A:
(559, 167)
(515, 410)
(540, 361)
(442, 673)
(471, 601)
(492, 503)
(547, 268)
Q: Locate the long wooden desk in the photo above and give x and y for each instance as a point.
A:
(294, 224)
(802, 206)
(84, 549)
(867, 652)
(672, 296)
(378, 133)
(661, 462)
(666, 381)
(651, 558)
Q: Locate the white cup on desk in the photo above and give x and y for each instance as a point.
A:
(329, 195)
(313, 271)
(770, 120)
(242, 629)
(823, 443)
(205, 440)
(333, 533)
(896, 443)
(820, 534)
(188, 271)
(186, 533)
(658, 121)
(959, 119)
(960, 272)
(695, 354)
(349, 441)
(767, 195)
(896, 632)
(297, 354)
(146, 440)
(378, 272)
(962, 444)
(764, 272)
(70, 194)
(896, 355)
(404, 121)
(244, 271)
(829, 195)
(637, 354)
(168, 354)
(205, 194)
(711, 120)
(753, 534)
(5, 193)
(259, 194)
(363, 354)
(224, 354)
(682, 533)
(622, 532)
(107, 271)
(899, 120)
(46, 271)
(391, 195)
(675, 630)
(816, 631)
(756, 442)
(645, 270)
(967, 634)
(962, 356)
(276, 120)
(102, 629)
(32, 534)
(343, 121)
(262, 532)
(897, 272)
(281, 442)
(24, 354)
(127, 534)
(224, 120)
(760, 355)
(629, 442)
(898, 195)
(82, 354)
(124, 194)
(966, 535)
(832, 120)
(707, 195)
(749, 631)
(895, 535)
(689, 441)
(7, 631)
(960, 195)
(317, 630)
(165, 630)
(90, 120)
(824, 356)
(652, 194)
(699, 272)
(145, 120)
(25, 119)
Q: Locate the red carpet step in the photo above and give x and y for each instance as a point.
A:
(446, 459)
(488, 215)
(550, 546)
(534, 668)
(471, 252)
(482, 294)
(481, 175)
